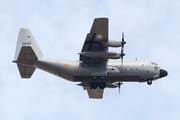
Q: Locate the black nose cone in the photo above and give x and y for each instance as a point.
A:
(163, 73)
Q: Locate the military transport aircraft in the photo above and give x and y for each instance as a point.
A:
(94, 70)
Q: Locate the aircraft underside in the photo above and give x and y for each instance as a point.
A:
(107, 79)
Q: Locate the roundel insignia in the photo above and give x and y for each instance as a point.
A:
(66, 65)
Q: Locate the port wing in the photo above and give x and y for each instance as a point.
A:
(94, 39)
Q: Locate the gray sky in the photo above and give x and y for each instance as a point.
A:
(151, 31)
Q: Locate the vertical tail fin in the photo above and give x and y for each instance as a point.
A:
(27, 51)
(26, 39)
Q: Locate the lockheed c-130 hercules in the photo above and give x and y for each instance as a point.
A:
(94, 70)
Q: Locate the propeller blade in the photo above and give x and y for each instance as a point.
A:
(122, 51)
(123, 42)
(121, 65)
(119, 84)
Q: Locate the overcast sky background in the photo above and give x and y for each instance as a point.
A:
(60, 26)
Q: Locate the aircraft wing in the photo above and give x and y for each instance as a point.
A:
(94, 93)
(94, 39)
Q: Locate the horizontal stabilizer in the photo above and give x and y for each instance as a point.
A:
(26, 56)
(26, 71)
(94, 93)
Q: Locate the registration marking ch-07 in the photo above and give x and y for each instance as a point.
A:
(26, 43)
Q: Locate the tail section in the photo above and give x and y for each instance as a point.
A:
(27, 52)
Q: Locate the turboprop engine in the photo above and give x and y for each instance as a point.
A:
(112, 43)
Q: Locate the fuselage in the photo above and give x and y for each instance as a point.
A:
(78, 71)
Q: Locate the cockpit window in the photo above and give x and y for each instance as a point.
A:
(156, 68)
(153, 63)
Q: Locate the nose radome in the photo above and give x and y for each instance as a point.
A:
(163, 73)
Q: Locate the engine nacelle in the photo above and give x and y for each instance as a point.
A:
(118, 56)
(112, 43)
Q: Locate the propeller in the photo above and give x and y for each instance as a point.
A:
(119, 84)
(122, 51)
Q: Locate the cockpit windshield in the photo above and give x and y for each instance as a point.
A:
(153, 63)
(156, 67)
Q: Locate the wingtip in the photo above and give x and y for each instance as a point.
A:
(24, 28)
(101, 18)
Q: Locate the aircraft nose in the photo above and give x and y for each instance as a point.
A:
(163, 73)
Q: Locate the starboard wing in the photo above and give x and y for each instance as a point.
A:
(94, 93)
(94, 39)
